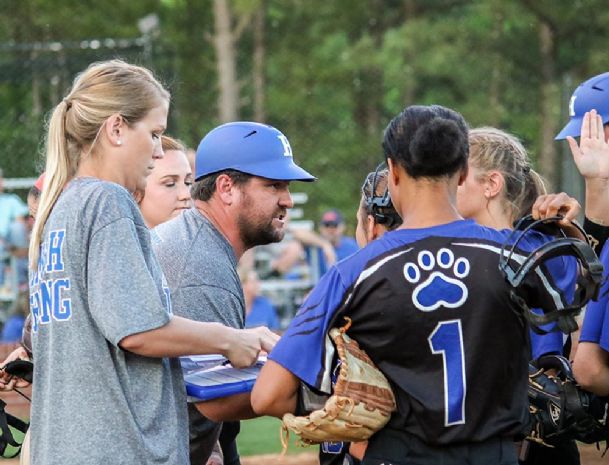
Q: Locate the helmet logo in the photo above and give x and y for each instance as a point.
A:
(287, 150)
(572, 106)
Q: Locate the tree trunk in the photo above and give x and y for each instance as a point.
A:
(410, 82)
(368, 81)
(494, 91)
(224, 43)
(36, 98)
(259, 76)
(548, 162)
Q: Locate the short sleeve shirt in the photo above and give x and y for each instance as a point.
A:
(433, 311)
(98, 281)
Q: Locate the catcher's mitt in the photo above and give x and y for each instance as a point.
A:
(560, 409)
(360, 405)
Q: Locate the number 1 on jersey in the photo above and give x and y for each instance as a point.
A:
(447, 340)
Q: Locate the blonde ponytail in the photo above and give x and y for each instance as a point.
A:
(59, 169)
(103, 89)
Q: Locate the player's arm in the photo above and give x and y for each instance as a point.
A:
(275, 392)
(591, 368)
(230, 408)
(300, 353)
(181, 336)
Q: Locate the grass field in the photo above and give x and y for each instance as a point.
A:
(262, 436)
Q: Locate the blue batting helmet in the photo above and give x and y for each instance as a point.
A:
(590, 95)
(251, 148)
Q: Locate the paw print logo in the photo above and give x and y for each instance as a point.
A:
(442, 287)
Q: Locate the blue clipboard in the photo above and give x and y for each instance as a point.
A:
(216, 377)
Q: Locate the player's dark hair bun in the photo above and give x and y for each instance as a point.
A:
(428, 141)
(435, 145)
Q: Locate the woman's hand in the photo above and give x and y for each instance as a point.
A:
(9, 382)
(248, 343)
(549, 205)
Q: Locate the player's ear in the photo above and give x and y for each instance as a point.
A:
(377, 229)
(493, 184)
(394, 175)
(463, 175)
(370, 228)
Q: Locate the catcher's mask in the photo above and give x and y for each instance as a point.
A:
(379, 206)
(575, 244)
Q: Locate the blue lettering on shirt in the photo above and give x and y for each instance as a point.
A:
(50, 298)
(55, 258)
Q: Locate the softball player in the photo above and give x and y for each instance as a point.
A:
(427, 303)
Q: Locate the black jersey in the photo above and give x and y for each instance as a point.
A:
(433, 311)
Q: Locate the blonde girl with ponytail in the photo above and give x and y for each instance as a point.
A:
(102, 325)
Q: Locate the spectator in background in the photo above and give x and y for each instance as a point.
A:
(18, 239)
(11, 208)
(259, 310)
(332, 229)
(13, 326)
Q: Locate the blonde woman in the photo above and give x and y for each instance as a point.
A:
(101, 315)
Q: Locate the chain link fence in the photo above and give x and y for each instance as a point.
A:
(33, 79)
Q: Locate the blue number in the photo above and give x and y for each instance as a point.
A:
(447, 340)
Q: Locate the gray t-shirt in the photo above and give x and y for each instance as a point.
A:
(201, 270)
(97, 282)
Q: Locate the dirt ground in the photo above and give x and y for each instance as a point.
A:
(589, 456)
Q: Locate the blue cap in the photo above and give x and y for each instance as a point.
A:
(251, 148)
(590, 95)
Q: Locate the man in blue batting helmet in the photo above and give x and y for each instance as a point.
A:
(241, 197)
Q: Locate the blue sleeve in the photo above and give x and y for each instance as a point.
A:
(595, 310)
(542, 344)
(304, 349)
(348, 246)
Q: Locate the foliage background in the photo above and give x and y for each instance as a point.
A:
(330, 75)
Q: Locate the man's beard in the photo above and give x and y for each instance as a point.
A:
(255, 233)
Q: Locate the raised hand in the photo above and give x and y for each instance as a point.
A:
(592, 154)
